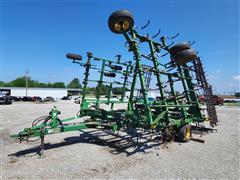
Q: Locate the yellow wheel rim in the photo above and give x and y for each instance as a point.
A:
(188, 133)
(121, 25)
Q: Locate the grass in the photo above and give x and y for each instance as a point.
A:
(232, 104)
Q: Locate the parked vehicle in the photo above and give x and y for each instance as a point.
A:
(141, 100)
(49, 98)
(77, 98)
(77, 101)
(73, 97)
(37, 98)
(202, 99)
(151, 99)
(65, 98)
(5, 99)
(14, 98)
(216, 99)
(27, 98)
(159, 98)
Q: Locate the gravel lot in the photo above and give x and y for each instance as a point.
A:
(78, 155)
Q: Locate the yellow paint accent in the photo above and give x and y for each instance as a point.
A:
(207, 119)
(153, 126)
(188, 133)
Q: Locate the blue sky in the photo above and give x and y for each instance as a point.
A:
(36, 35)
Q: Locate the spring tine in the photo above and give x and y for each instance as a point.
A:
(164, 54)
(170, 44)
(191, 43)
(159, 31)
(173, 37)
(145, 25)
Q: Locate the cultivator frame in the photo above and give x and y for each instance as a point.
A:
(171, 114)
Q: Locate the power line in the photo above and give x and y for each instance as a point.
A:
(26, 77)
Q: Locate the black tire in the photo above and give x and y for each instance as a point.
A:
(110, 74)
(174, 50)
(116, 67)
(120, 21)
(73, 56)
(185, 56)
(184, 133)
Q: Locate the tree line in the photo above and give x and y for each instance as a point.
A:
(75, 84)
(21, 82)
(104, 90)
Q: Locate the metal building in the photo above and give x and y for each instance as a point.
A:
(41, 92)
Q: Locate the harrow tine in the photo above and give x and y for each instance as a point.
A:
(176, 35)
(143, 27)
(159, 31)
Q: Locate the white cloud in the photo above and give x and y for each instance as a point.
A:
(236, 77)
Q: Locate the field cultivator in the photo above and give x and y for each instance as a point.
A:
(173, 71)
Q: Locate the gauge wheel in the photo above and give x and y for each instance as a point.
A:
(110, 74)
(174, 50)
(74, 56)
(185, 56)
(185, 133)
(120, 21)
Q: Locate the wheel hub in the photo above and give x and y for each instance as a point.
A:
(121, 25)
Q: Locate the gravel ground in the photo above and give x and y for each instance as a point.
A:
(94, 155)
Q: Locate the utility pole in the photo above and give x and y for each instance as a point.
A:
(26, 77)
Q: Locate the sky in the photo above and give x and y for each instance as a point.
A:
(36, 35)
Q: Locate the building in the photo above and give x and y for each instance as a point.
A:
(41, 92)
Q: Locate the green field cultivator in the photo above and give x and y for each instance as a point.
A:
(172, 71)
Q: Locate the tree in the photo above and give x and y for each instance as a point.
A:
(58, 85)
(32, 83)
(90, 90)
(19, 82)
(42, 85)
(237, 94)
(117, 90)
(49, 85)
(103, 89)
(2, 84)
(75, 84)
(7, 84)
